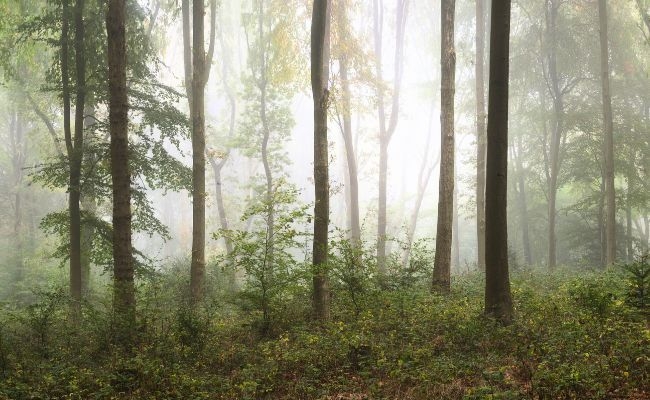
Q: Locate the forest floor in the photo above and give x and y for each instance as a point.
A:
(575, 336)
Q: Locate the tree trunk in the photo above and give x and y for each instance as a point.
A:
(558, 108)
(352, 175)
(455, 242)
(480, 136)
(441, 268)
(608, 132)
(74, 145)
(498, 301)
(197, 268)
(89, 207)
(123, 270)
(18, 154)
(217, 166)
(319, 77)
(386, 132)
(423, 181)
(523, 204)
(629, 253)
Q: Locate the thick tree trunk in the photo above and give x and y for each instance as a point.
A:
(441, 268)
(608, 132)
(498, 301)
(74, 145)
(320, 93)
(123, 270)
(197, 268)
(481, 147)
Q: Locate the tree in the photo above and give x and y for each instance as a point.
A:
(480, 136)
(197, 71)
(74, 145)
(344, 34)
(219, 159)
(559, 87)
(498, 301)
(424, 175)
(608, 142)
(123, 271)
(386, 131)
(442, 263)
(320, 94)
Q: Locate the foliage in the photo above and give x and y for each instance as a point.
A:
(638, 284)
(271, 263)
(404, 343)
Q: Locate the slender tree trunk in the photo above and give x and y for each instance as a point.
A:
(319, 77)
(187, 52)
(441, 268)
(608, 132)
(197, 268)
(601, 221)
(386, 132)
(378, 18)
(352, 175)
(556, 139)
(523, 203)
(455, 242)
(217, 166)
(123, 269)
(74, 145)
(18, 154)
(629, 255)
(89, 207)
(498, 300)
(423, 181)
(481, 147)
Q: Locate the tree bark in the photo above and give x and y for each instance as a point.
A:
(498, 301)
(320, 93)
(123, 270)
(480, 136)
(74, 145)
(441, 269)
(608, 133)
(199, 76)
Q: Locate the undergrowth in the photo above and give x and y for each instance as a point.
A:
(575, 336)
